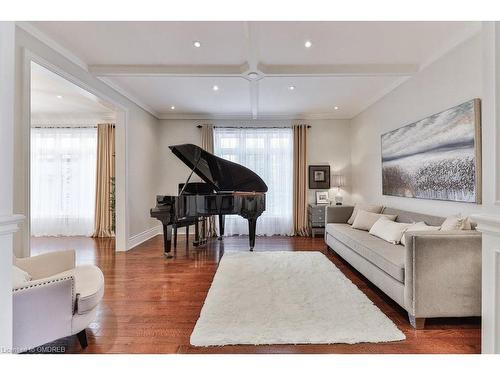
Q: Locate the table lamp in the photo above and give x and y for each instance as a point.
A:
(338, 181)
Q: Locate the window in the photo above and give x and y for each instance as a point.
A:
(269, 153)
(63, 172)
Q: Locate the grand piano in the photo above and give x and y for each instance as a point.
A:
(227, 189)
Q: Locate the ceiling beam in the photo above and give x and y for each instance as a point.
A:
(252, 63)
(339, 70)
(248, 116)
(167, 70)
(254, 98)
(252, 48)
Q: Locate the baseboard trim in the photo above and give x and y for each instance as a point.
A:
(139, 238)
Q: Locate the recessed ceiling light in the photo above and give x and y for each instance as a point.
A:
(308, 44)
(215, 88)
(172, 107)
(196, 44)
(59, 96)
(335, 108)
(291, 88)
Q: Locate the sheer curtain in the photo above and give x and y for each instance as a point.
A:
(63, 173)
(269, 153)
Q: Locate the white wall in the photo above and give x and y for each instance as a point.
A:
(141, 140)
(328, 144)
(451, 80)
(143, 174)
(6, 177)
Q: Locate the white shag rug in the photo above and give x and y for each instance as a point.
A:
(287, 298)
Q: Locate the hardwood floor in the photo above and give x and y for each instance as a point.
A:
(151, 304)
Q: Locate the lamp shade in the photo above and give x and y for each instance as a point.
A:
(338, 180)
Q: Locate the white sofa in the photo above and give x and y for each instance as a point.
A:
(436, 274)
(61, 299)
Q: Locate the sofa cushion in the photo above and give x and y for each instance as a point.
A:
(89, 284)
(388, 257)
(418, 227)
(364, 220)
(388, 230)
(365, 207)
(456, 222)
(413, 217)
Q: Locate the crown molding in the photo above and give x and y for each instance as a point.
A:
(386, 91)
(454, 44)
(249, 116)
(451, 46)
(130, 97)
(44, 38)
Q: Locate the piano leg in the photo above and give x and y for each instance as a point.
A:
(175, 236)
(167, 240)
(221, 227)
(196, 241)
(252, 223)
(204, 229)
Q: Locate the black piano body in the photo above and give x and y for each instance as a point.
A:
(228, 189)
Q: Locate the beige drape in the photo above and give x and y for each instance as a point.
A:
(300, 226)
(103, 223)
(207, 143)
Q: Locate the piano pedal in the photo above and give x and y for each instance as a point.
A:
(199, 243)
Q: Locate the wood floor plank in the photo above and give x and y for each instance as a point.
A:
(151, 304)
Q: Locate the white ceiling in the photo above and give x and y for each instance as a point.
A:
(350, 64)
(190, 94)
(53, 95)
(319, 95)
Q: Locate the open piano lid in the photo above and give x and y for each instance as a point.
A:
(220, 174)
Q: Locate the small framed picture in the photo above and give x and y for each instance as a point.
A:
(319, 177)
(322, 197)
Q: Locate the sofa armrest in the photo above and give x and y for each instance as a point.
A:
(338, 214)
(46, 265)
(443, 274)
(42, 312)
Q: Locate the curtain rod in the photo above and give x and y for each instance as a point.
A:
(251, 127)
(65, 127)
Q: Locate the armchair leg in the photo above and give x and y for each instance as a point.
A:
(416, 323)
(82, 338)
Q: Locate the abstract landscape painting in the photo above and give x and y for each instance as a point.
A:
(438, 157)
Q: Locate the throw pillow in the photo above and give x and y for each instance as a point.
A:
(418, 227)
(456, 222)
(19, 277)
(365, 207)
(364, 220)
(388, 230)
